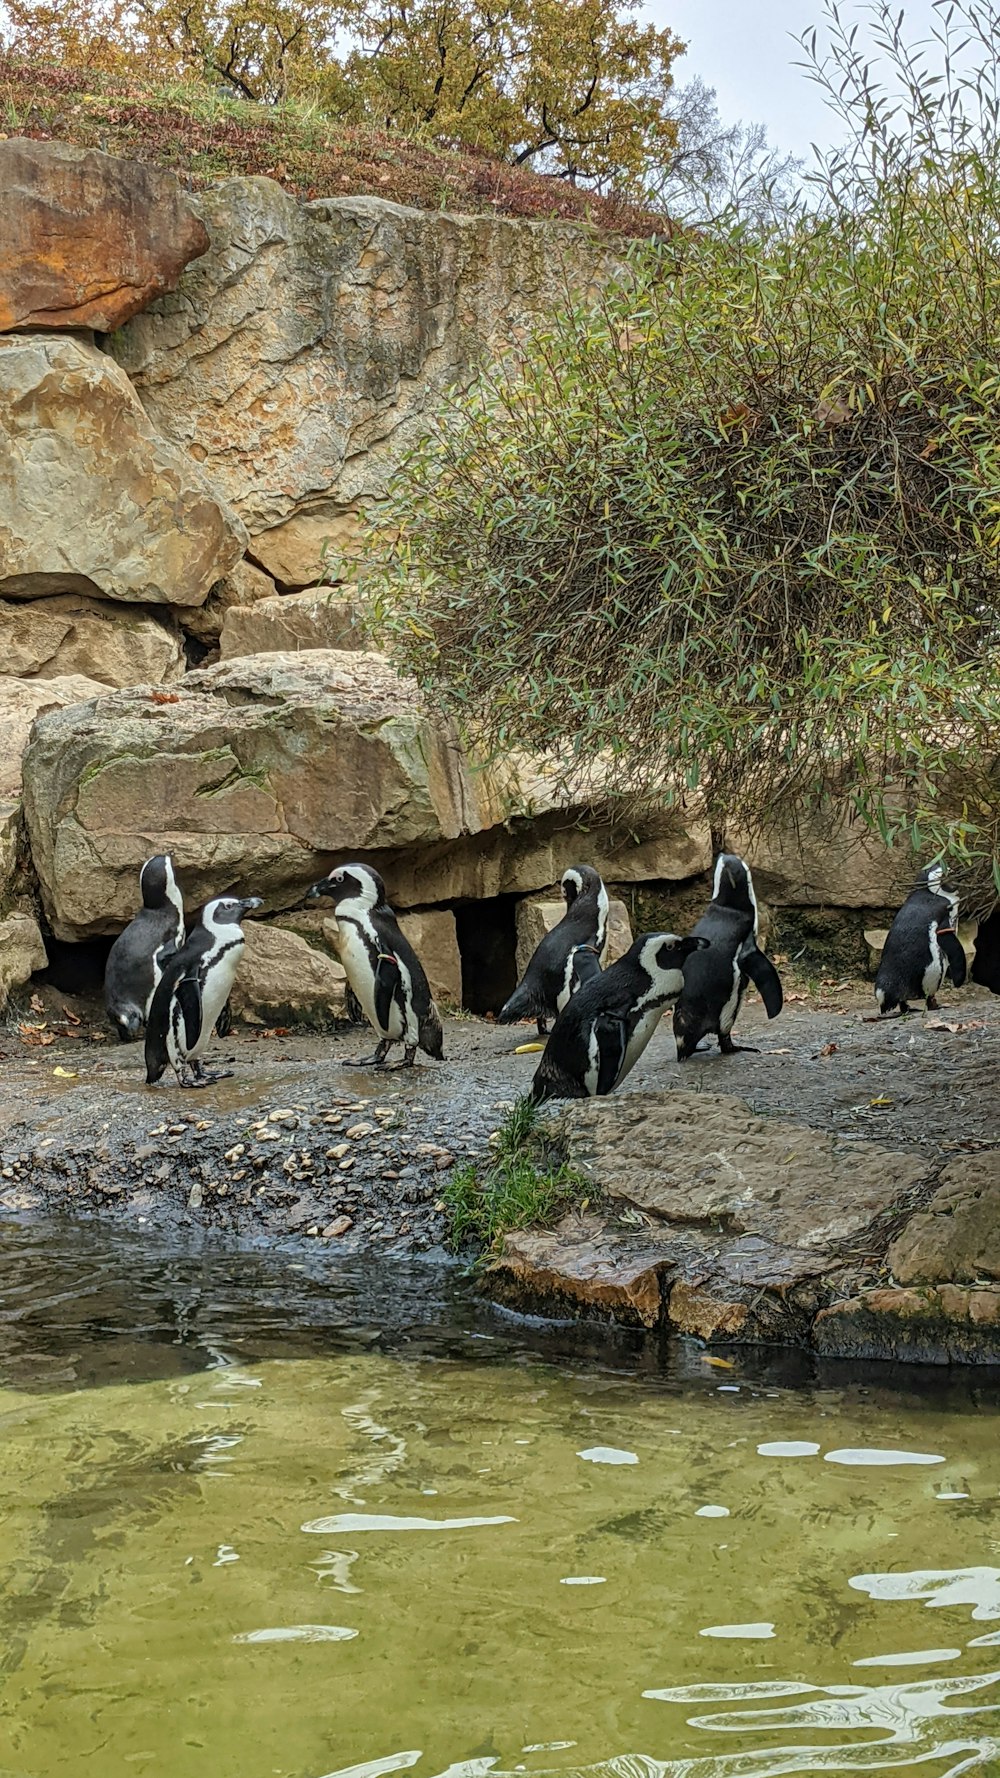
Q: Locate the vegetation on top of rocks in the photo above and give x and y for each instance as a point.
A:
(735, 529)
(521, 1186)
(204, 135)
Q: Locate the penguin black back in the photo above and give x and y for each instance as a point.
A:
(715, 978)
(135, 958)
(567, 956)
(602, 1031)
(922, 949)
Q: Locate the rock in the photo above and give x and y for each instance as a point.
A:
(576, 1268)
(301, 356)
(708, 1318)
(776, 1200)
(88, 240)
(321, 617)
(950, 1325)
(827, 859)
(282, 980)
(535, 916)
(69, 634)
(91, 500)
(21, 953)
(309, 547)
(243, 586)
(266, 770)
(957, 1238)
(262, 771)
(10, 847)
(433, 935)
(21, 700)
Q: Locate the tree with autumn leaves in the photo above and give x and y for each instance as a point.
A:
(575, 87)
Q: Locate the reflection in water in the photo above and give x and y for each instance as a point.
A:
(488, 1604)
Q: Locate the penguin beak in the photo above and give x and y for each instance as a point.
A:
(250, 903)
(694, 943)
(318, 890)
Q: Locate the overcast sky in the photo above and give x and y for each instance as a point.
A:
(746, 48)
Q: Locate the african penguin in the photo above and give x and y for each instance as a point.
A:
(383, 970)
(600, 1035)
(137, 955)
(567, 956)
(715, 979)
(195, 984)
(922, 949)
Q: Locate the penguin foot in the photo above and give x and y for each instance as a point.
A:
(375, 1061)
(933, 1004)
(729, 1048)
(207, 1075)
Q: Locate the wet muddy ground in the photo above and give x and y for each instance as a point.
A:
(295, 1146)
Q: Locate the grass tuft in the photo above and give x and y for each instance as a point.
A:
(521, 1184)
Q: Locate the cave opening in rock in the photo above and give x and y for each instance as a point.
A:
(76, 968)
(487, 945)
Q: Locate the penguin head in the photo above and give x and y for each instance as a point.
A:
(931, 878)
(128, 1024)
(732, 886)
(228, 910)
(579, 879)
(157, 883)
(661, 956)
(351, 882)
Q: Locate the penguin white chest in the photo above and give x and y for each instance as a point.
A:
(217, 975)
(935, 971)
(359, 949)
(646, 1025)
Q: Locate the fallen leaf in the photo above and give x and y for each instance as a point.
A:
(720, 1364)
(36, 1004)
(829, 1049)
(164, 697)
(65, 1073)
(74, 1018)
(881, 1103)
(796, 997)
(954, 1025)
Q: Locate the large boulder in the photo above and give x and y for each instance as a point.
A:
(21, 700)
(301, 356)
(254, 773)
(322, 617)
(91, 499)
(263, 771)
(957, 1238)
(282, 979)
(70, 633)
(88, 240)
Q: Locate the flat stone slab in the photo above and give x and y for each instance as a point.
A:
(957, 1237)
(583, 1267)
(767, 1200)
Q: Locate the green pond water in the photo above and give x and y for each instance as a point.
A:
(270, 1522)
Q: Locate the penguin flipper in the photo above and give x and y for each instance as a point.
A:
(765, 979)
(388, 982)
(611, 1039)
(954, 956)
(188, 996)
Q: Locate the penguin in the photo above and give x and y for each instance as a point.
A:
(193, 989)
(382, 969)
(567, 956)
(137, 955)
(715, 980)
(602, 1031)
(922, 949)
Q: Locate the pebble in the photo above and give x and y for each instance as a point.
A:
(196, 1197)
(344, 1165)
(335, 1154)
(359, 1130)
(339, 1226)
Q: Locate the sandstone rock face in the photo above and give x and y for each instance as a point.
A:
(957, 1238)
(433, 935)
(826, 861)
(91, 499)
(87, 240)
(253, 773)
(309, 547)
(301, 355)
(21, 700)
(243, 586)
(263, 771)
(71, 634)
(580, 1269)
(282, 979)
(322, 617)
(535, 917)
(950, 1325)
(21, 953)
(10, 838)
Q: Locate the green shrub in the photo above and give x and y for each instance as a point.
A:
(734, 528)
(520, 1185)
